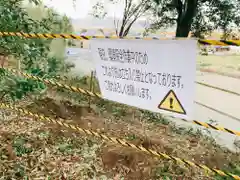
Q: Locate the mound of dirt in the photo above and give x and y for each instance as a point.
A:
(58, 109)
(131, 163)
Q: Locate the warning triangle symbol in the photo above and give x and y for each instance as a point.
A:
(171, 103)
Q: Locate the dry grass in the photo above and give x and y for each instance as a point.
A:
(30, 149)
(223, 65)
(35, 150)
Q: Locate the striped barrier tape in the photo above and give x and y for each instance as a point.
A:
(89, 93)
(82, 37)
(219, 42)
(122, 142)
(53, 83)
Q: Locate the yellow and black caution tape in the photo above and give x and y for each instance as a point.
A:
(219, 42)
(82, 37)
(120, 141)
(53, 83)
(45, 35)
(77, 89)
(89, 93)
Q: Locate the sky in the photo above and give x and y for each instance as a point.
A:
(82, 8)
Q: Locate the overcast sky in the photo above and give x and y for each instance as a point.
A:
(83, 7)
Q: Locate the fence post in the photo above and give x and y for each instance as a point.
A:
(81, 44)
(91, 89)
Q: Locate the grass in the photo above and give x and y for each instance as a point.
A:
(31, 149)
(224, 64)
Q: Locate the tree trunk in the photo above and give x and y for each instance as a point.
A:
(186, 13)
(182, 30)
(120, 34)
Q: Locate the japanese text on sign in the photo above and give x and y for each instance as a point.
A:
(139, 75)
(142, 73)
(123, 56)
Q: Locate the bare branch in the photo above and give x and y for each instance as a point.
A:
(140, 6)
(137, 12)
(132, 12)
(137, 15)
(116, 25)
(124, 19)
(128, 6)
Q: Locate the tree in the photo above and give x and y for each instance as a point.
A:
(180, 11)
(199, 16)
(202, 26)
(133, 10)
(34, 53)
(226, 16)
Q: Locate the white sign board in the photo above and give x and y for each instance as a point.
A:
(73, 52)
(156, 75)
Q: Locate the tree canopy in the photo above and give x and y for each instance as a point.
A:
(198, 16)
(34, 54)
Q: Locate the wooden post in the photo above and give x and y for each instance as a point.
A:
(3, 60)
(91, 89)
(81, 44)
(94, 78)
(19, 65)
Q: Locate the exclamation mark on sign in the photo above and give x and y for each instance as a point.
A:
(171, 102)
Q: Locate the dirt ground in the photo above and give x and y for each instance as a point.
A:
(31, 149)
(111, 160)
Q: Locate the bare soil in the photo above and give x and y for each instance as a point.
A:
(33, 149)
(115, 161)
